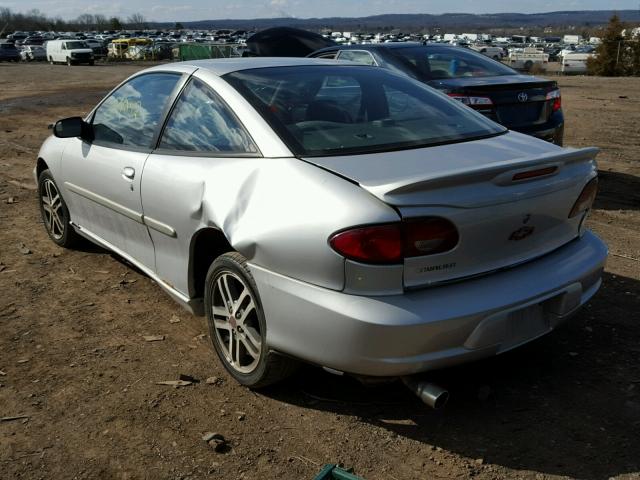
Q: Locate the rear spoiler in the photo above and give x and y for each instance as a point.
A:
(411, 191)
(487, 171)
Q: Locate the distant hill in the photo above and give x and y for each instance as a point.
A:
(450, 21)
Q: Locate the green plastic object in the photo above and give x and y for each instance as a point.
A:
(334, 472)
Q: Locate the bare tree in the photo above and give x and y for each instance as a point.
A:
(137, 21)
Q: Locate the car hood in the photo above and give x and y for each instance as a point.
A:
(286, 42)
(463, 82)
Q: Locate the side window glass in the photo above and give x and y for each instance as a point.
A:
(201, 122)
(328, 55)
(357, 56)
(130, 116)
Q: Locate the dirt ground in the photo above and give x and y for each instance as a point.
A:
(73, 360)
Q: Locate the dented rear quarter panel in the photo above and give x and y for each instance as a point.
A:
(277, 212)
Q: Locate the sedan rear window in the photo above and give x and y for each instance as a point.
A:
(437, 63)
(330, 110)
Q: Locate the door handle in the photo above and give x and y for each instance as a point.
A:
(128, 173)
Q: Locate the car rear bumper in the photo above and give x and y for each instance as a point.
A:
(551, 131)
(433, 327)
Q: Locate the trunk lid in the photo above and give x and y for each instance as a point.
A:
(501, 222)
(518, 100)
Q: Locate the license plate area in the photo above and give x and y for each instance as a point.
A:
(524, 325)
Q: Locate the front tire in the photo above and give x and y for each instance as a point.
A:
(69, 62)
(237, 324)
(55, 213)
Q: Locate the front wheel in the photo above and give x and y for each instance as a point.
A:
(55, 213)
(69, 62)
(237, 324)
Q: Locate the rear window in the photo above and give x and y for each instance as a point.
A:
(434, 63)
(331, 110)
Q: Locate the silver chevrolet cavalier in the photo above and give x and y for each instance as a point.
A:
(340, 214)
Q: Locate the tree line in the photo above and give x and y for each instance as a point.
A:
(617, 55)
(35, 20)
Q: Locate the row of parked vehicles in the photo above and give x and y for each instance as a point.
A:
(68, 51)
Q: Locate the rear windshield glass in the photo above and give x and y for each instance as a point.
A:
(329, 110)
(433, 63)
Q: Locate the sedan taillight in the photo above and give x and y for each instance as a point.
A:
(393, 242)
(475, 102)
(557, 99)
(586, 198)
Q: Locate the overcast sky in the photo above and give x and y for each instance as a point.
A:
(176, 10)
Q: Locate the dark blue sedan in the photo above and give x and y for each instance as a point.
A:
(9, 52)
(523, 103)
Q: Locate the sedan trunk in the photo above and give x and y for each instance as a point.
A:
(508, 208)
(516, 100)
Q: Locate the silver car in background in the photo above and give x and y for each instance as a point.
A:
(335, 213)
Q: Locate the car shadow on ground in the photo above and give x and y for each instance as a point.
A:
(617, 191)
(567, 404)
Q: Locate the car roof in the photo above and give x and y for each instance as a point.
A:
(390, 46)
(222, 66)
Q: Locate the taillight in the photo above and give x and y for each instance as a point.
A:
(586, 198)
(373, 244)
(427, 236)
(557, 99)
(475, 102)
(391, 243)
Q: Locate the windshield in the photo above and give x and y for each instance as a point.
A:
(328, 110)
(75, 45)
(437, 63)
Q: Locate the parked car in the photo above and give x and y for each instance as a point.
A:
(492, 52)
(9, 53)
(336, 213)
(522, 103)
(33, 53)
(34, 40)
(98, 47)
(71, 52)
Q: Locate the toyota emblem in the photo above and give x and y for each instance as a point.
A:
(523, 97)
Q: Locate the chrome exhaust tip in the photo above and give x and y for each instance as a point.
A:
(431, 394)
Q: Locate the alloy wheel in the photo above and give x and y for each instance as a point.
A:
(52, 208)
(235, 322)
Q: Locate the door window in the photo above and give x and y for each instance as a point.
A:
(130, 116)
(201, 122)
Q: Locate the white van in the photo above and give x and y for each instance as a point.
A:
(70, 52)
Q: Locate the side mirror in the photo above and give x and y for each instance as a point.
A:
(71, 127)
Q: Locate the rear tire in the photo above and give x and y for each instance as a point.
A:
(237, 325)
(528, 65)
(55, 213)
